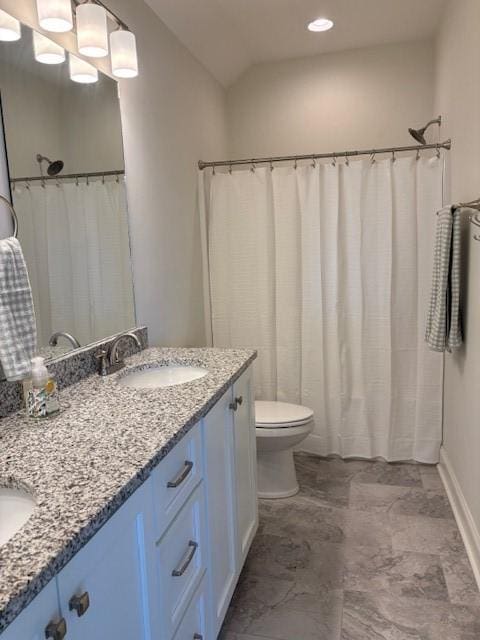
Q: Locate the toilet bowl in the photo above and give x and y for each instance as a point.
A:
(280, 426)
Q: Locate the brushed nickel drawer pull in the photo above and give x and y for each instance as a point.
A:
(173, 484)
(79, 603)
(186, 560)
(56, 630)
(197, 636)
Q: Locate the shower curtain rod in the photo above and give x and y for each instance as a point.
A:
(70, 176)
(316, 156)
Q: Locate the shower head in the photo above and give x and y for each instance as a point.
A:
(419, 134)
(53, 168)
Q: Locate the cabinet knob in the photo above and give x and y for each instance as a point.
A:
(56, 630)
(197, 636)
(79, 603)
(233, 406)
(239, 399)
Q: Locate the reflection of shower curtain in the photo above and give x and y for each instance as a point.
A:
(326, 272)
(75, 240)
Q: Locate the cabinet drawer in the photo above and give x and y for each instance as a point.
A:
(181, 558)
(175, 478)
(193, 626)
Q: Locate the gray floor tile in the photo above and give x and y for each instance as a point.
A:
(416, 533)
(302, 518)
(403, 475)
(431, 478)
(265, 607)
(461, 583)
(367, 529)
(307, 563)
(331, 468)
(376, 616)
(414, 575)
(422, 502)
(375, 497)
(324, 492)
(287, 624)
(231, 635)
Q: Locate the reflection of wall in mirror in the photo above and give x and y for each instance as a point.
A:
(45, 112)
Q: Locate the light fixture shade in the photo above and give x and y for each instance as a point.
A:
(47, 51)
(55, 15)
(92, 32)
(9, 27)
(82, 71)
(123, 51)
(320, 24)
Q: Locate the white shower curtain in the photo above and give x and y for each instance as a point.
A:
(325, 271)
(75, 241)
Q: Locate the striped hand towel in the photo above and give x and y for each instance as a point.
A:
(443, 321)
(18, 332)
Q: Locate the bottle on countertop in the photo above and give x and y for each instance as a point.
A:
(41, 396)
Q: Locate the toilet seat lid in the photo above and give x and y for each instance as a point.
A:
(271, 414)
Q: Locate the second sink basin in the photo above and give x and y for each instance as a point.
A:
(16, 507)
(162, 376)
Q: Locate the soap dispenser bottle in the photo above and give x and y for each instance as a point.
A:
(37, 391)
(41, 397)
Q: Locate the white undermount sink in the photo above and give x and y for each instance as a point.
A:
(16, 507)
(162, 376)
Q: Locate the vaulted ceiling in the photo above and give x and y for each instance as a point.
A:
(228, 36)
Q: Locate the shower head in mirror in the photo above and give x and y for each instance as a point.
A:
(419, 134)
(53, 167)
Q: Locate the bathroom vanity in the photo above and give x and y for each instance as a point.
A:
(146, 505)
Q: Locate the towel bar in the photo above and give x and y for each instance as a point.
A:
(12, 213)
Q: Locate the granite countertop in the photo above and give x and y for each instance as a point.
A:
(82, 465)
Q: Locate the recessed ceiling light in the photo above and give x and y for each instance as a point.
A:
(320, 24)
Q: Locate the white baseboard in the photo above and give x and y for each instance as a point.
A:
(462, 513)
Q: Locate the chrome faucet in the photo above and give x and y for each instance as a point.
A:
(63, 334)
(108, 360)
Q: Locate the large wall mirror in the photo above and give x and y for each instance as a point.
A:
(66, 170)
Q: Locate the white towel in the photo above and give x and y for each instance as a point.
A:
(18, 332)
(443, 321)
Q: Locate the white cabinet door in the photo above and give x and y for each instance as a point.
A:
(245, 464)
(108, 580)
(33, 621)
(221, 507)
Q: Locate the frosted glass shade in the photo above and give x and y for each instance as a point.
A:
(9, 27)
(55, 15)
(123, 51)
(82, 71)
(46, 50)
(92, 32)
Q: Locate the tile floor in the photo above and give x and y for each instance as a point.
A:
(365, 551)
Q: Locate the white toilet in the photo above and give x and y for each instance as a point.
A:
(280, 426)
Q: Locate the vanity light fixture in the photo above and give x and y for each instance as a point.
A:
(82, 71)
(55, 15)
(123, 51)
(320, 24)
(47, 51)
(10, 29)
(92, 27)
(92, 31)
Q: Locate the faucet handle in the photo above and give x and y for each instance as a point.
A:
(101, 356)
